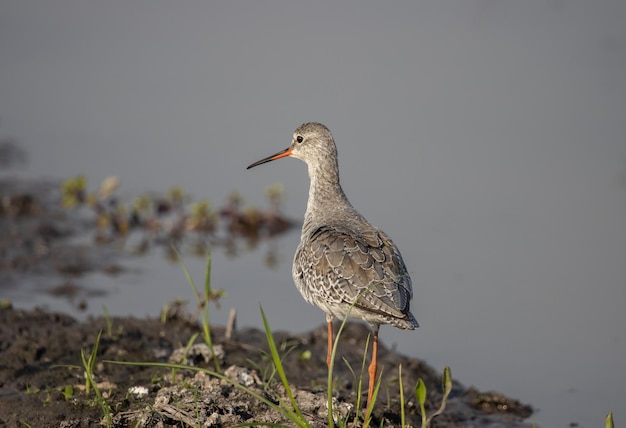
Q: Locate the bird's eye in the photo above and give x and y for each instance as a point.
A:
(299, 138)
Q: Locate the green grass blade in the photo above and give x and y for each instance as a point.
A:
(187, 274)
(360, 383)
(279, 367)
(332, 365)
(89, 364)
(608, 422)
(402, 420)
(206, 324)
(204, 301)
(420, 394)
(446, 382)
(370, 409)
(207, 278)
(331, 420)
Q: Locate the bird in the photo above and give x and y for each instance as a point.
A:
(343, 264)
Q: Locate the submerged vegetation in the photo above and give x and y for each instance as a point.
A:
(169, 218)
(67, 230)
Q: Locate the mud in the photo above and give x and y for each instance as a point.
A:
(42, 378)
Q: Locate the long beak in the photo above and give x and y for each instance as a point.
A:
(281, 154)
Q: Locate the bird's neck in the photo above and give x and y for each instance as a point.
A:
(326, 197)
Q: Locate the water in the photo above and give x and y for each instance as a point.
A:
(485, 138)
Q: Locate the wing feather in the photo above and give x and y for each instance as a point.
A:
(354, 267)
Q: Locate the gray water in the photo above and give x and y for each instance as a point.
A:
(486, 138)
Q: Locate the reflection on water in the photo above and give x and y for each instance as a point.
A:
(64, 232)
(167, 219)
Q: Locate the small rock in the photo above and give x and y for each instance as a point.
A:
(242, 376)
(139, 391)
(214, 419)
(197, 353)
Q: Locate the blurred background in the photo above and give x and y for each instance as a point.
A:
(487, 138)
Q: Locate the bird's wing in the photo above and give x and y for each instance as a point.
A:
(360, 267)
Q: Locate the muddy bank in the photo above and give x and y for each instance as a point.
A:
(42, 383)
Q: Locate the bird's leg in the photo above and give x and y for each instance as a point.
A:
(330, 341)
(371, 370)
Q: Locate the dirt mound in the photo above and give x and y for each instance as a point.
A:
(42, 380)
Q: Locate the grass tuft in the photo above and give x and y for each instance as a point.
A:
(89, 363)
(203, 302)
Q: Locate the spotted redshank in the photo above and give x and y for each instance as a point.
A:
(344, 265)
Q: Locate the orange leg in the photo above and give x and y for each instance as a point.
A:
(330, 343)
(371, 370)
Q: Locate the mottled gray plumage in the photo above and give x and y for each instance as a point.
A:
(336, 267)
(342, 260)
